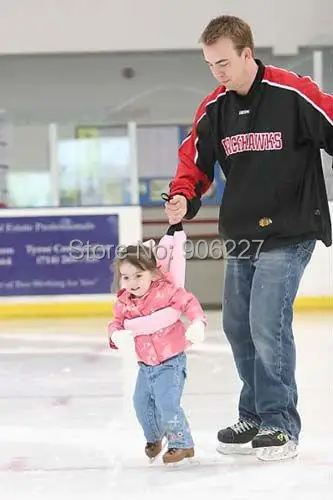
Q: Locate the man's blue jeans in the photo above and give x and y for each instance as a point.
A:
(157, 398)
(258, 302)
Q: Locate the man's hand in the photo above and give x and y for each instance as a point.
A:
(176, 208)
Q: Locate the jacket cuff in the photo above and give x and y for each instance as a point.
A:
(174, 228)
(193, 207)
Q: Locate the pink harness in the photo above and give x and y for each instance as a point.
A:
(170, 255)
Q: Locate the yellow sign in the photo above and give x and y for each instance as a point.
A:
(83, 132)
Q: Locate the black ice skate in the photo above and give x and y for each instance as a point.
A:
(237, 438)
(272, 445)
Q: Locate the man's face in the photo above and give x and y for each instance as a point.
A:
(227, 66)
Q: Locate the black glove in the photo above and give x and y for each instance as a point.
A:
(175, 227)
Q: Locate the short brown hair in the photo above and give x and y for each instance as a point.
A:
(140, 256)
(230, 27)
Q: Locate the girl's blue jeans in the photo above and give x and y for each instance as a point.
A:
(157, 402)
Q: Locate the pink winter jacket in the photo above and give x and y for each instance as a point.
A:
(157, 314)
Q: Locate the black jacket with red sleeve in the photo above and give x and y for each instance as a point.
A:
(268, 145)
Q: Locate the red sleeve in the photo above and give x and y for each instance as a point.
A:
(195, 170)
(315, 107)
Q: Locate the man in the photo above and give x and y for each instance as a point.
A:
(265, 126)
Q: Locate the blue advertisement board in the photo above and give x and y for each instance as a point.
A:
(152, 187)
(57, 255)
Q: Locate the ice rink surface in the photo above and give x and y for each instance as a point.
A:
(65, 430)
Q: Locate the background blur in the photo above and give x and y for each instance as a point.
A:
(95, 98)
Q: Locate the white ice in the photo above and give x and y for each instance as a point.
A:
(65, 430)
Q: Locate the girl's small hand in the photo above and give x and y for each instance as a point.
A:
(112, 345)
(196, 332)
(121, 339)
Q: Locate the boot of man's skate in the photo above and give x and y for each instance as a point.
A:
(174, 455)
(274, 445)
(237, 438)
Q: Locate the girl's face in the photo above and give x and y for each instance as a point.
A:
(134, 279)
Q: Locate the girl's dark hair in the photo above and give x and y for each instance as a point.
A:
(139, 255)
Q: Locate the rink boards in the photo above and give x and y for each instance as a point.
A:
(57, 262)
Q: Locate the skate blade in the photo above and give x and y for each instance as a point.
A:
(235, 449)
(277, 453)
(183, 464)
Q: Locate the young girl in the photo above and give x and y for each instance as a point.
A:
(149, 303)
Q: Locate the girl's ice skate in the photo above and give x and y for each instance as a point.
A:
(152, 450)
(175, 455)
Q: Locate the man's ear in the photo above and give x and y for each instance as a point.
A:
(248, 53)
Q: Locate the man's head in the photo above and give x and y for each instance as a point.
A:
(228, 49)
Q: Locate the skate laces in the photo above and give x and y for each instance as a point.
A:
(242, 426)
(266, 432)
(270, 432)
(151, 445)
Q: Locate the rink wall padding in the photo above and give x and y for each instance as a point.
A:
(105, 308)
(314, 304)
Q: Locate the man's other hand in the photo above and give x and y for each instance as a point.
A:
(176, 208)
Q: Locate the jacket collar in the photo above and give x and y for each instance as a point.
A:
(255, 84)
